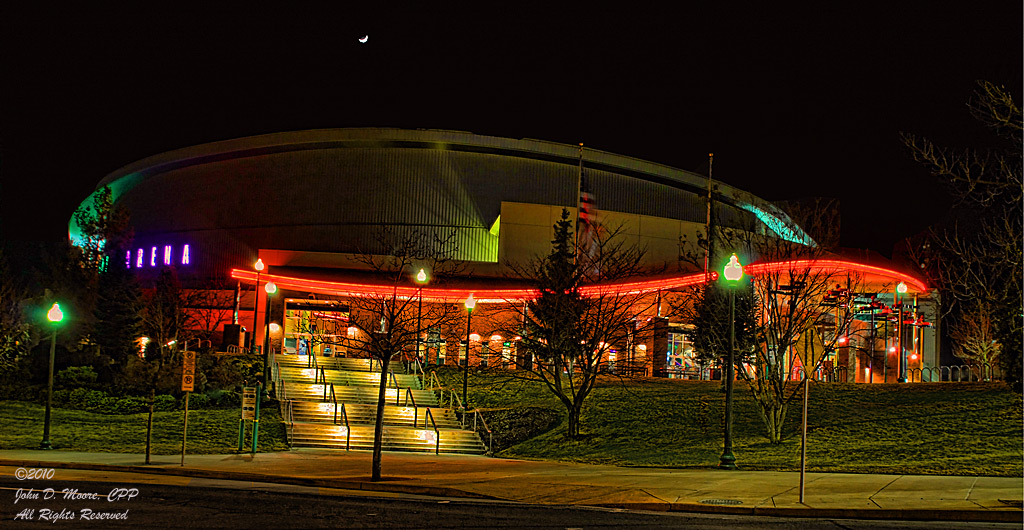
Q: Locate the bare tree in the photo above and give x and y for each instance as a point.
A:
(791, 324)
(978, 260)
(973, 335)
(387, 324)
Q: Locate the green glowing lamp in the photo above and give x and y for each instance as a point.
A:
(470, 302)
(421, 276)
(733, 271)
(55, 314)
(271, 288)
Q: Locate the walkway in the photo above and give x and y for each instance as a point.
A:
(839, 495)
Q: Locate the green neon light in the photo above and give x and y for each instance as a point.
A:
(779, 227)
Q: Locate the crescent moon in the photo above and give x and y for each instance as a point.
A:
(364, 39)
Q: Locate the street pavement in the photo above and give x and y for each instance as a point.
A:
(841, 495)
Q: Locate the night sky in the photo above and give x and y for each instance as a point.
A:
(793, 102)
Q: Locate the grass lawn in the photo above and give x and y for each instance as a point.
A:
(928, 428)
(210, 431)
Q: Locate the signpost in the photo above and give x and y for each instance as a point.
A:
(188, 378)
(248, 412)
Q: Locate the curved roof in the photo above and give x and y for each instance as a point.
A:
(527, 163)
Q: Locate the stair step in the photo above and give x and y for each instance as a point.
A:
(356, 384)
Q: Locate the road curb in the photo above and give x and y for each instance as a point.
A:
(980, 515)
(257, 477)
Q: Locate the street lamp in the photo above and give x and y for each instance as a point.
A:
(271, 289)
(901, 354)
(470, 304)
(256, 301)
(733, 273)
(55, 315)
(421, 279)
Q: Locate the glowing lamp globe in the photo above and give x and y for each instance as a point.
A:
(901, 288)
(470, 302)
(421, 276)
(274, 328)
(259, 265)
(271, 288)
(733, 271)
(475, 337)
(55, 314)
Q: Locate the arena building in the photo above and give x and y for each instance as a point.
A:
(308, 204)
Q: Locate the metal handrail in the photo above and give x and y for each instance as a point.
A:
(432, 379)
(321, 378)
(490, 435)
(288, 413)
(334, 399)
(437, 432)
(415, 408)
(453, 397)
(348, 429)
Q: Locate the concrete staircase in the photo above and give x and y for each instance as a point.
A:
(315, 421)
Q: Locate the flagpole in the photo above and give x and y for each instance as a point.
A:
(579, 197)
(707, 226)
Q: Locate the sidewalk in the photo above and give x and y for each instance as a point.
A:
(839, 495)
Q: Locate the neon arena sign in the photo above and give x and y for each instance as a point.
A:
(163, 255)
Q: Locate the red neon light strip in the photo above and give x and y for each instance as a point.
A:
(831, 265)
(507, 295)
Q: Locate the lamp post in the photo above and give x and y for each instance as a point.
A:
(421, 279)
(470, 304)
(271, 289)
(732, 272)
(256, 300)
(55, 315)
(901, 352)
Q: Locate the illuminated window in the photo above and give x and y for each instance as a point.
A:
(128, 260)
(152, 257)
(167, 254)
(138, 258)
(184, 255)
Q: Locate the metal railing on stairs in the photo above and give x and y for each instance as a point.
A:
(415, 408)
(344, 416)
(437, 432)
(287, 412)
(462, 414)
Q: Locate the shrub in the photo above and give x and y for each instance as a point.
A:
(164, 403)
(75, 377)
(130, 405)
(223, 398)
(60, 397)
(514, 425)
(94, 401)
(76, 400)
(197, 401)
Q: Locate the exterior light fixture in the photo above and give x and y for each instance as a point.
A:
(470, 304)
(55, 316)
(421, 279)
(733, 273)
